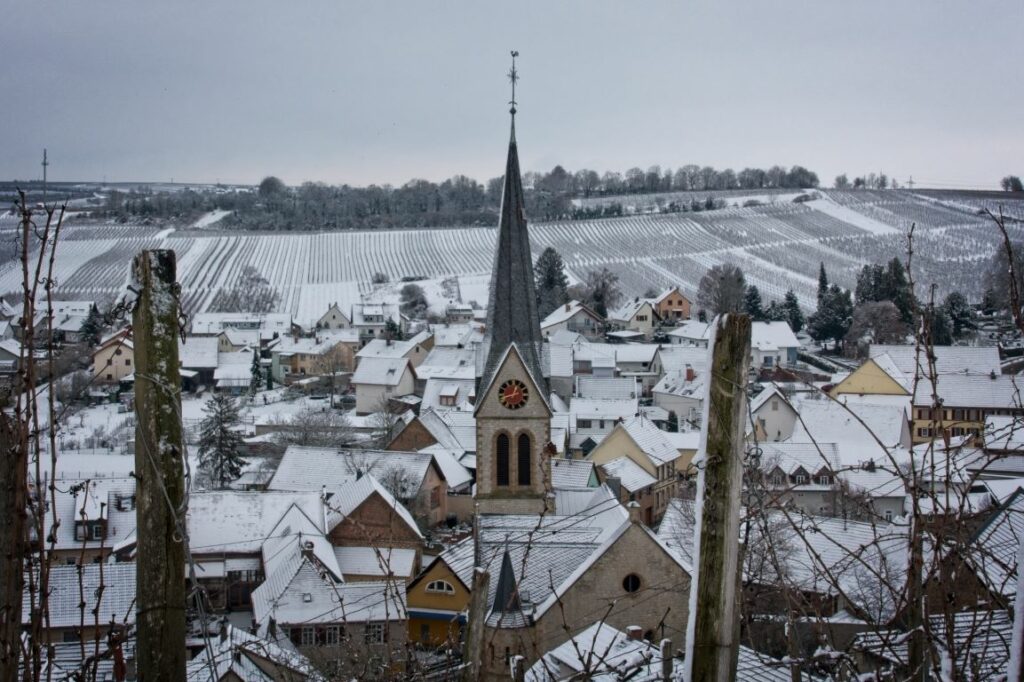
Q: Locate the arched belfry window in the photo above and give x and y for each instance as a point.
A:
(523, 458)
(502, 459)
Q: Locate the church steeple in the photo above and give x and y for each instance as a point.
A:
(512, 310)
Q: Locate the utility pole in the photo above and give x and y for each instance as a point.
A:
(712, 643)
(45, 164)
(159, 471)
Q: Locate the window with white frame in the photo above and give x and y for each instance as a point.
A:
(440, 587)
(374, 633)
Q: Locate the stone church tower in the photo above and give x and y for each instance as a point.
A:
(513, 419)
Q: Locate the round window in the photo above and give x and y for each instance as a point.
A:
(631, 583)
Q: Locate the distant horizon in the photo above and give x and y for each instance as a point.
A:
(359, 94)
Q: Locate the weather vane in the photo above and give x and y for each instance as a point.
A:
(513, 76)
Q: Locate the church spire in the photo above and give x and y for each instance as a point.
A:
(512, 309)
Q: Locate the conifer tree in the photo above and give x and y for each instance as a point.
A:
(551, 283)
(220, 445)
(793, 315)
(822, 282)
(752, 304)
(257, 373)
(92, 327)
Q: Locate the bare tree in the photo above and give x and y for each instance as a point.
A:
(721, 290)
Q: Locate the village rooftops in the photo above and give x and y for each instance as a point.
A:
(239, 522)
(378, 371)
(948, 359)
(310, 469)
(75, 594)
(769, 336)
(572, 474)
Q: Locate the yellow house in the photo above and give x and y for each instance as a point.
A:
(437, 601)
(649, 449)
(115, 358)
(877, 376)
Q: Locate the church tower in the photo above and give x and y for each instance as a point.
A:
(513, 419)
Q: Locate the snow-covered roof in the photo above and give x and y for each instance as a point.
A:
(239, 521)
(592, 408)
(692, 330)
(651, 440)
(372, 314)
(448, 362)
(455, 335)
(455, 473)
(300, 593)
(762, 398)
(572, 473)
(674, 383)
(769, 336)
(854, 424)
(629, 310)
(984, 391)
(452, 429)
(318, 344)
(457, 393)
(383, 348)
(96, 502)
(607, 388)
(566, 312)
(630, 474)
(309, 468)
(948, 359)
(198, 352)
(824, 555)
(606, 654)
(1004, 433)
(376, 562)
(980, 649)
(994, 550)
(237, 654)
(349, 496)
(381, 371)
(116, 602)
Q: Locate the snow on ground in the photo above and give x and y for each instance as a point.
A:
(315, 299)
(164, 234)
(210, 218)
(848, 215)
(440, 291)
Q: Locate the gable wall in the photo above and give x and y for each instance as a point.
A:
(868, 379)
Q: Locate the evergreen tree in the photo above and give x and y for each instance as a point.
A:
(940, 325)
(897, 290)
(752, 304)
(833, 317)
(775, 312)
(794, 315)
(220, 444)
(822, 282)
(392, 330)
(257, 373)
(551, 282)
(960, 313)
(92, 327)
(989, 301)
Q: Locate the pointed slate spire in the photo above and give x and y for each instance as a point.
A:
(512, 309)
(506, 596)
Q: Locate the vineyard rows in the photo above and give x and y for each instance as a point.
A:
(778, 246)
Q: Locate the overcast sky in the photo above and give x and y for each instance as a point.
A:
(385, 91)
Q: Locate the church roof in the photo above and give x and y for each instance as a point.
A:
(512, 311)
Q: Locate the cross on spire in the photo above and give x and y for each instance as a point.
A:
(513, 76)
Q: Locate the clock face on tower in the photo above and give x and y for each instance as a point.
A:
(513, 394)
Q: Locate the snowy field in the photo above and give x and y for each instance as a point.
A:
(778, 245)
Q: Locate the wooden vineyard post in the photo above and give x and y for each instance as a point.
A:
(712, 645)
(13, 546)
(159, 469)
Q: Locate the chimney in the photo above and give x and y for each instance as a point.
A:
(634, 511)
(690, 374)
(635, 633)
(272, 629)
(568, 307)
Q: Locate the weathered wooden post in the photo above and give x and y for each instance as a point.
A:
(159, 470)
(13, 546)
(712, 645)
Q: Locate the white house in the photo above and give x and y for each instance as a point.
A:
(334, 318)
(378, 379)
(637, 315)
(772, 344)
(573, 317)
